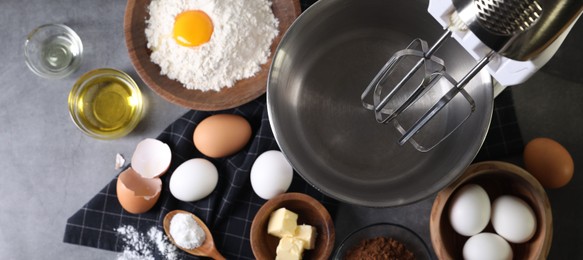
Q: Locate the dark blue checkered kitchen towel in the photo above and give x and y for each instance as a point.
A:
(228, 211)
(504, 140)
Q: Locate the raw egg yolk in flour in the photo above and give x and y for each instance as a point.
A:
(192, 28)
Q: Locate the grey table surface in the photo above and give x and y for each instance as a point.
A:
(50, 169)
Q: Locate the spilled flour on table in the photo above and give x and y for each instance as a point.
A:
(139, 246)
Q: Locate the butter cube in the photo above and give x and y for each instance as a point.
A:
(306, 234)
(282, 223)
(289, 248)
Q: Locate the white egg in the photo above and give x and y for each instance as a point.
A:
(513, 219)
(271, 174)
(469, 211)
(193, 180)
(487, 246)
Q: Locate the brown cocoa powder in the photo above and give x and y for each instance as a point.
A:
(379, 248)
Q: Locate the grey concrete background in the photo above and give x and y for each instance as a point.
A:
(50, 169)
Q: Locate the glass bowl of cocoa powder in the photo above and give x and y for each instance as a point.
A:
(382, 241)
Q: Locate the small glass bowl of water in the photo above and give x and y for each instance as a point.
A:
(53, 51)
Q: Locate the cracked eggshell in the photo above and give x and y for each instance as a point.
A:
(151, 158)
(138, 187)
(135, 193)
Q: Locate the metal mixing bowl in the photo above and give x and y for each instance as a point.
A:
(321, 67)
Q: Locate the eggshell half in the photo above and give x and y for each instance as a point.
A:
(151, 158)
(221, 135)
(135, 193)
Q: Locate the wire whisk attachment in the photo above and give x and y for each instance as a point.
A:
(413, 87)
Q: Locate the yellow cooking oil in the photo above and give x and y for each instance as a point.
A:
(107, 104)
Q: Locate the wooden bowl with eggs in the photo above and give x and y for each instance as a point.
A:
(497, 179)
(309, 211)
(245, 90)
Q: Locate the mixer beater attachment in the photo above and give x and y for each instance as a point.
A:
(508, 31)
(388, 107)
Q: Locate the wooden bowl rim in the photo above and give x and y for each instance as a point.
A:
(483, 168)
(269, 206)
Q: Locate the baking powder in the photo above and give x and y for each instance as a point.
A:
(186, 232)
(240, 43)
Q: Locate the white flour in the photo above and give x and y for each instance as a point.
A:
(142, 247)
(240, 43)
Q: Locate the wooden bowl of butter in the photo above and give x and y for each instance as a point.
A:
(292, 226)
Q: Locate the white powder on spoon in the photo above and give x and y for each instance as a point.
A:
(240, 43)
(186, 232)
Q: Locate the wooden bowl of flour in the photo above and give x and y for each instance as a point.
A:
(136, 14)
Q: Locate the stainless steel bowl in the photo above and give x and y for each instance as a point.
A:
(321, 67)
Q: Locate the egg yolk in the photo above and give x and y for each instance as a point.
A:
(192, 28)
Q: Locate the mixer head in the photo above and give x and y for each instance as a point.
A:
(520, 30)
(511, 38)
(507, 18)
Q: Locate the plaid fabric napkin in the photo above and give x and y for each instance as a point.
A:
(228, 211)
(504, 139)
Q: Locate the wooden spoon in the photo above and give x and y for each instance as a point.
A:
(207, 249)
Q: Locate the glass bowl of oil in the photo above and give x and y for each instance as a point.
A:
(53, 51)
(106, 103)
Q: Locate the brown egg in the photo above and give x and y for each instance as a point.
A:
(549, 162)
(221, 135)
(135, 193)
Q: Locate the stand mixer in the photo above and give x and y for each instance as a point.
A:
(512, 39)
